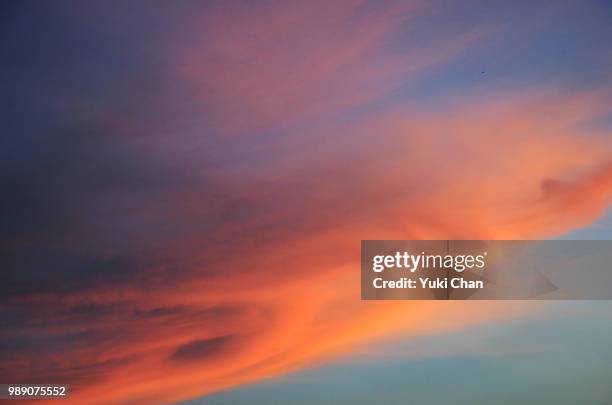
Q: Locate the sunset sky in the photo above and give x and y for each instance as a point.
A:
(185, 186)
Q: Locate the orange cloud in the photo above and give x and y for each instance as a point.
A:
(258, 300)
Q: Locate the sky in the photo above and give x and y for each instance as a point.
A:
(185, 186)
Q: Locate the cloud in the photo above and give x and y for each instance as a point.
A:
(210, 238)
(282, 63)
(200, 350)
(276, 288)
